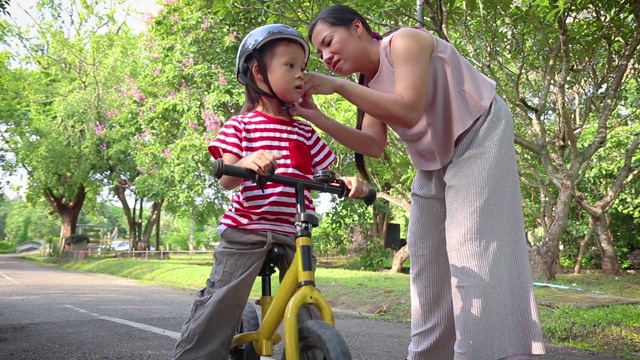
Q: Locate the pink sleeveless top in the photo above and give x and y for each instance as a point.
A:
(458, 94)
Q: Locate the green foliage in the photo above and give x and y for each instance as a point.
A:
(63, 81)
(76, 238)
(609, 327)
(29, 222)
(82, 109)
(7, 246)
(5, 208)
(336, 229)
(176, 231)
(374, 257)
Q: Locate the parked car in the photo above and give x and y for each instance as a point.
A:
(119, 245)
(123, 245)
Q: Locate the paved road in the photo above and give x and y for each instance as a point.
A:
(46, 313)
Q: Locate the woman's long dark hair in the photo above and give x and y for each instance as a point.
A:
(344, 16)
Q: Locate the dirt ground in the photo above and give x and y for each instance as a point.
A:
(557, 298)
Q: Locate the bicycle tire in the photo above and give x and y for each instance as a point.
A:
(249, 322)
(320, 341)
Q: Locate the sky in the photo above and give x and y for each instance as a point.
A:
(19, 9)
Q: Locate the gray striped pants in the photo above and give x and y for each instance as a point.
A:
(471, 287)
(208, 331)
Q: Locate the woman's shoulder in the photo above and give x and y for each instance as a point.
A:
(408, 38)
(413, 32)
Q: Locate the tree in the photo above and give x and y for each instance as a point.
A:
(4, 7)
(562, 67)
(26, 222)
(55, 104)
(174, 108)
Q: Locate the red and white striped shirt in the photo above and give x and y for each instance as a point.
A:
(303, 153)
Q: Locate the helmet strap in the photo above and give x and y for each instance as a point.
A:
(263, 69)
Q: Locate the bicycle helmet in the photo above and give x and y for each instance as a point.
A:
(260, 36)
(251, 45)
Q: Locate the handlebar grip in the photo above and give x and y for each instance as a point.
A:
(370, 198)
(221, 169)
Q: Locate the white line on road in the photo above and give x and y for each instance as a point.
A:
(8, 278)
(145, 327)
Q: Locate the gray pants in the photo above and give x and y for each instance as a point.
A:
(471, 287)
(217, 309)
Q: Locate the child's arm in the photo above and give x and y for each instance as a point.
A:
(260, 162)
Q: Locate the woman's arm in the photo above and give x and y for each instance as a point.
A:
(369, 141)
(410, 53)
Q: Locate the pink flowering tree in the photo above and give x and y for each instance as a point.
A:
(173, 109)
(63, 93)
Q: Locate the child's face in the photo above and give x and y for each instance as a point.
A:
(285, 71)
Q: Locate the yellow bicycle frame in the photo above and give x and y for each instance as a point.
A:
(296, 290)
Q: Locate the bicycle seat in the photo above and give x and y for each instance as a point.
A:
(274, 256)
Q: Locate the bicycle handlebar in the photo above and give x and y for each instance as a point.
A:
(221, 169)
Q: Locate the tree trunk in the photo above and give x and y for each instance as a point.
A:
(68, 211)
(380, 226)
(610, 263)
(544, 257)
(152, 220)
(399, 258)
(192, 231)
(583, 245)
(135, 244)
(158, 233)
(403, 254)
(131, 221)
(69, 220)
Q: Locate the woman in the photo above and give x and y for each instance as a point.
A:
(471, 288)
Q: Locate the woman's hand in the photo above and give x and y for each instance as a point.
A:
(357, 188)
(306, 109)
(316, 83)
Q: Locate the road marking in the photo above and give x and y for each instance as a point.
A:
(172, 334)
(8, 278)
(145, 327)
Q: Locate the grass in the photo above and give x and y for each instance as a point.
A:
(604, 316)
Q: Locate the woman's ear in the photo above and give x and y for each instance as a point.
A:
(357, 27)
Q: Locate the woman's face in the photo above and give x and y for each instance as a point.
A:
(337, 47)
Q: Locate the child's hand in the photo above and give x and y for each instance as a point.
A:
(260, 161)
(357, 188)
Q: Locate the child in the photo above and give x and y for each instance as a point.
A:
(270, 64)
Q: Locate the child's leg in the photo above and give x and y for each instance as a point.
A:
(218, 307)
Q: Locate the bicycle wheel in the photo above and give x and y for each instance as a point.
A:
(248, 323)
(320, 341)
